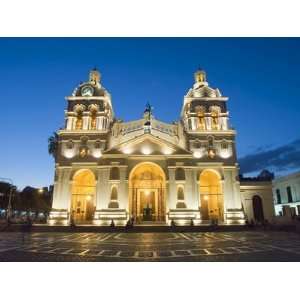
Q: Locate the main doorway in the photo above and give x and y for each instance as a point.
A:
(147, 193)
(258, 210)
(83, 196)
(147, 202)
(211, 196)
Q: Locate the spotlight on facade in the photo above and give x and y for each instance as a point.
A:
(127, 151)
(225, 154)
(197, 154)
(167, 151)
(69, 153)
(206, 197)
(97, 153)
(146, 151)
(88, 197)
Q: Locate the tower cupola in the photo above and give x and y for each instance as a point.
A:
(200, 76)
(95, 76)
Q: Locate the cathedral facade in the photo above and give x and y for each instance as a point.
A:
(147, 170)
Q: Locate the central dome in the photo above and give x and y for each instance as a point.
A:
(90, 88)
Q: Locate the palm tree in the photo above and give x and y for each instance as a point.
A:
(53, 144)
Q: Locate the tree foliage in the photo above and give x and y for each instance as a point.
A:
(30, 199)
(53, 144)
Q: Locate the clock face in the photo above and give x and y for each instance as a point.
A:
(87, 91)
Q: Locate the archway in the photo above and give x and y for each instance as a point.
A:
(211, 196)
(258, 211)
(147, 192)
(83, 196)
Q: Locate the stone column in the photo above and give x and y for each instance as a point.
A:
(99, 123)
(189, 188)
(172, 197)
(102, 188)
(62, 190)
(98, 189)
(85, 125)
(61, 197)
(231, 190)
(195, 190)
(208, 123)
(66, 192)
(70, 123)
(123, 189)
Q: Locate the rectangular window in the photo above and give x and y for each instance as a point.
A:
(278, 196)
(289, 194)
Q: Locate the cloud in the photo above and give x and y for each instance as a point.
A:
(283, 158)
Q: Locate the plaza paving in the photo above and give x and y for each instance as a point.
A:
(156, 246)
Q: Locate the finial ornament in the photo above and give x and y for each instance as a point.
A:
(148, 117)
(148, 111)
(200, 75)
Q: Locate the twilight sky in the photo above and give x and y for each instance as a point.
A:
(260, 77)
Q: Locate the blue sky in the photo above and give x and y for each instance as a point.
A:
(260, 77)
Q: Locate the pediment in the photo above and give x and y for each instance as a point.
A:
(147, 144)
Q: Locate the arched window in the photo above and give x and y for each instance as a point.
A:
(114, 193)
(180, 193)
(79, 121)
(215, 112)
(114, 173)
(199, 109)
(79, 109)
(200, 112)
(93, 120)
(179, 174)
(215, 108)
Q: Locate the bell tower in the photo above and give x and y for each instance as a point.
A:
(88, 120)
(205, 119)
(89, 106)
(211, 139)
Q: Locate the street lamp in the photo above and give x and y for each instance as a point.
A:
(8, 214)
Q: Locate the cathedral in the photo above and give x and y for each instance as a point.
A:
(149, 171)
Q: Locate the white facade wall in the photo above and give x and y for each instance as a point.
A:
(292, 181)
(264, 191)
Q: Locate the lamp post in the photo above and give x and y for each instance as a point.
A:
(8, 212)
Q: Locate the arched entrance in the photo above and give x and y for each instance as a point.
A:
(258, 211)
(211, 196)
(83, 196)
(147, 192)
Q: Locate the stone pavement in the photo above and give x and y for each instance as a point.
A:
(156, 246)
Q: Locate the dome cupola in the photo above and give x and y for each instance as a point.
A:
(200, 76)
(95, 76)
